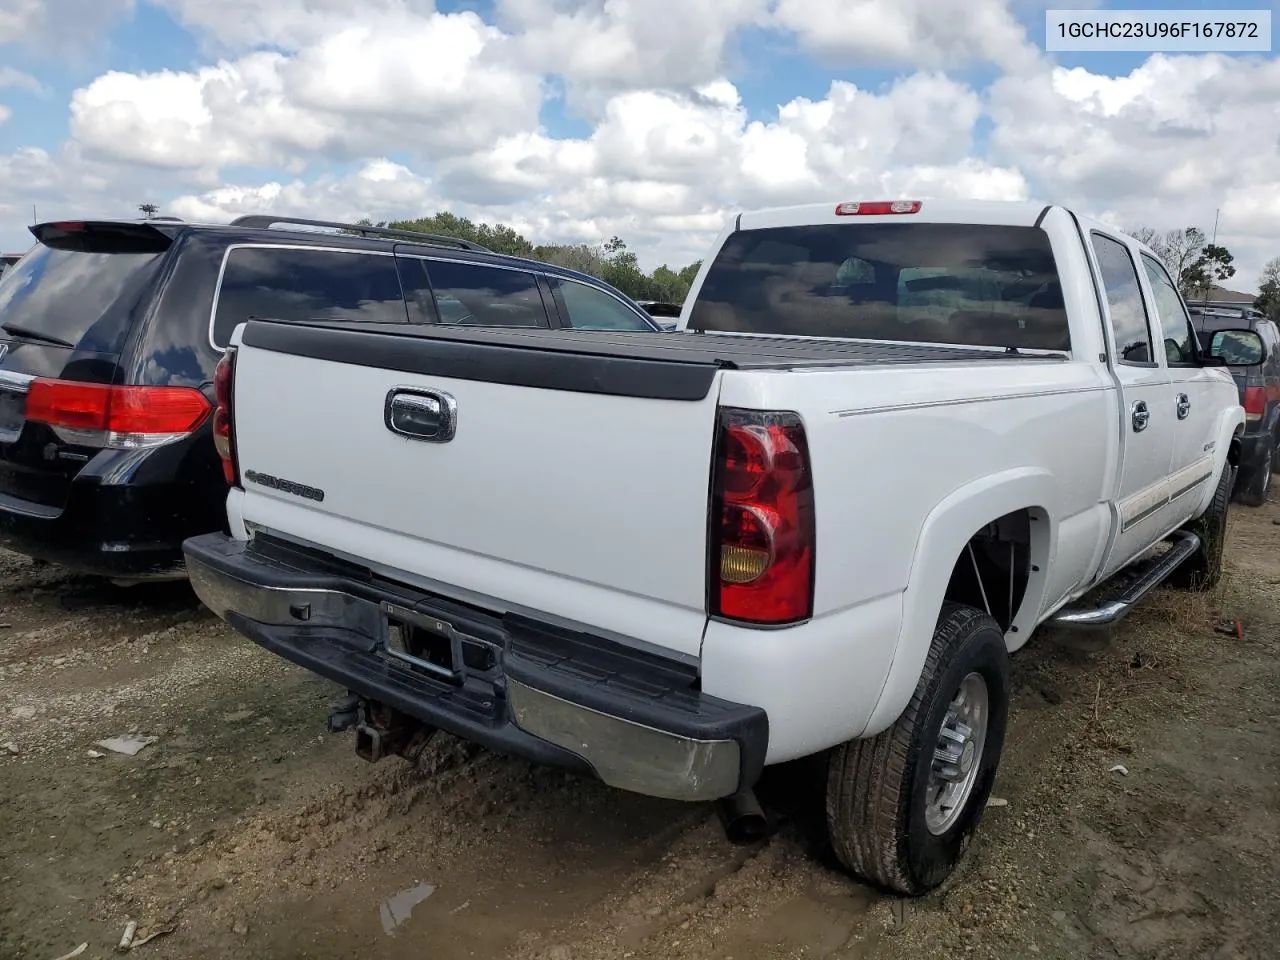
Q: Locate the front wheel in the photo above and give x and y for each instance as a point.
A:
(902, 805)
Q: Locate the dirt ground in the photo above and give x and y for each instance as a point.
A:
(1140, 815)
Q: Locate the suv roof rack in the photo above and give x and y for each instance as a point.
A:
(266, 221)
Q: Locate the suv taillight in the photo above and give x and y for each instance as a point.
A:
(1255, 402)
(224, 436)
(762, 528)
(121, 417)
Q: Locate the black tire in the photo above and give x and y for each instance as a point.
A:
(1203, 569)
(876, 787)
(1255, 486)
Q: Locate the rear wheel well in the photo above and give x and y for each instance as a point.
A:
(995, 566)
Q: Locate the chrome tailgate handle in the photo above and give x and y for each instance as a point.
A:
(429, 415)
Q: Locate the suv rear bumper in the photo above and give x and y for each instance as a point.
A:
(634, 719)
(112, 531)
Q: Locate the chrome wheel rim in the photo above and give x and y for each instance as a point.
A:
(957, 754)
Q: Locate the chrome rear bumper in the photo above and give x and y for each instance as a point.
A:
(635, 721)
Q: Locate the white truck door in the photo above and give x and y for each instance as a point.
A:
(1198, 395)
(1146, 404)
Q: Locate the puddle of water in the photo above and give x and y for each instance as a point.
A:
(396, 909)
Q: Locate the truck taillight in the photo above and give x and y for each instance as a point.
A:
(1255, 402)
(120, 417)
(762, 528)
(224, 436)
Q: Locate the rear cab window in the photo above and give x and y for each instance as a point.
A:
(82, 289)
(962, 284)
(306, 283)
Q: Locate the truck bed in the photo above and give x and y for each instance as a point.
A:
(665, 366)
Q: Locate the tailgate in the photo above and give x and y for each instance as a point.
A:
(573, 485)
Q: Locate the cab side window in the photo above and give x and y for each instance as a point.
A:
(298, 283)
(1124, 300)
(477, 294)
(1175, 326)
(587, 308)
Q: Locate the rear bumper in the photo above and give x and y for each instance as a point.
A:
(635, 720)
(121, 532)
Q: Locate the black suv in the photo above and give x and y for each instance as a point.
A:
(112, 330)
(1259, 395)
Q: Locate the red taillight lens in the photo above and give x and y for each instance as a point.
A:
(762, 549)
(223, 428)
(100, 414)
(1255, 402)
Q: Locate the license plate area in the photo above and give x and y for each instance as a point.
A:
(435, 646)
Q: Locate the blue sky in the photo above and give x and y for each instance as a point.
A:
(582, 113)
(769, 68)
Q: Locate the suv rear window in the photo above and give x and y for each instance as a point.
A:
(297, 283)
(84, 299)
(972, 284)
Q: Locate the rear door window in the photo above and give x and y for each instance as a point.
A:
(475, 294)
(1124, 299)
(971, 284)
(82, 299)
(300, 283)
(590, 308)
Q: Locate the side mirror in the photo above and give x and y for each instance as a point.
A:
(667, 326)
(1238, 348)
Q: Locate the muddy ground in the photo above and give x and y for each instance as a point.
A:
(245, 831)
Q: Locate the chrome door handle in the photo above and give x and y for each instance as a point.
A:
(1184, 406)
(1141, 415)
(430, 415)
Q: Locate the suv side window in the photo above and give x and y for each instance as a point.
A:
(476, 294)
(1174, 323)
(1124, 298)
(589, 308)
(298, 283)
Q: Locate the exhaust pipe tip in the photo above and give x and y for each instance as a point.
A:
(743, 818)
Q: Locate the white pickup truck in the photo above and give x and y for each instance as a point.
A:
(887, 442)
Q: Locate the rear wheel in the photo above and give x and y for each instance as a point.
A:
(902, 805)
(1203, 569)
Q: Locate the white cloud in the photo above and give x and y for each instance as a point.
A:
(665, 170)
(9, 77)
(437, 84)
(603, 46)
(923, 33)
(64, 27)
(5, 113)
(1165, 145)
(238, 25)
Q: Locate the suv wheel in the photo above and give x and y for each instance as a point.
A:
(1256, 486)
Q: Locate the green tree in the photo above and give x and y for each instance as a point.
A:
(1195, 263)
(1269, 290)
(148, 210)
